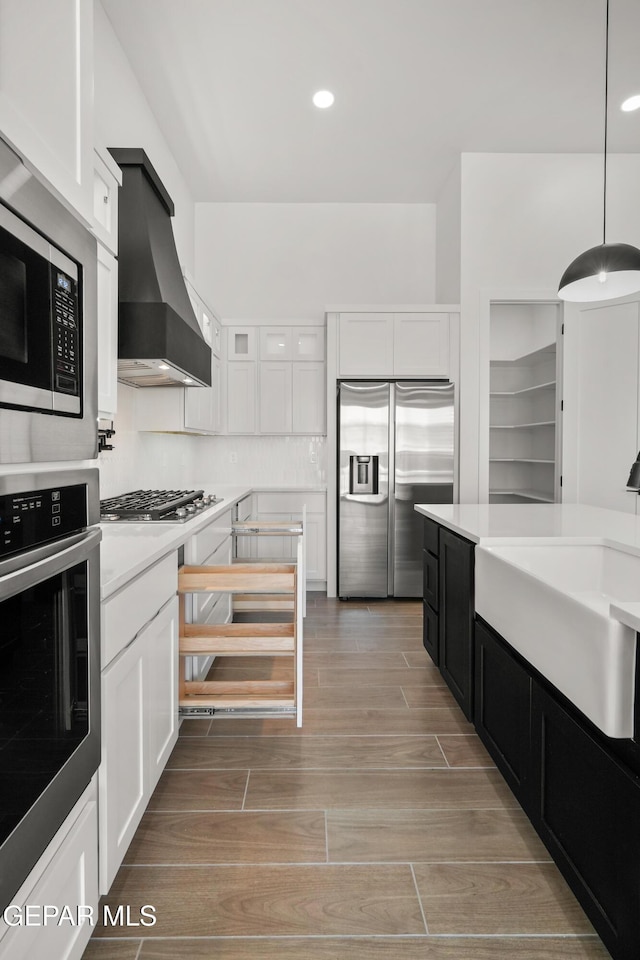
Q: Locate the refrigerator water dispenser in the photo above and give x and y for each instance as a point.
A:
(363, 474)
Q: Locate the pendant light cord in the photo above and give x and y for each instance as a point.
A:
(606, 112)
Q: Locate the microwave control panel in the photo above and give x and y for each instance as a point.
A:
(29, 519)
(66, 333)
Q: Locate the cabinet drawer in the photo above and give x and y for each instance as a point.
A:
(125, 613)
(430, 579)
(431, 536)
(207, 541)
(70, 879)
(289, 502)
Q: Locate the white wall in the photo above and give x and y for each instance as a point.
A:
(261, 461)
(123, 118)
(525, 217)
(448, 239)
(291, 259)
(142, 460)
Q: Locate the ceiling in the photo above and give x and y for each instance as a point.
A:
(417, 82)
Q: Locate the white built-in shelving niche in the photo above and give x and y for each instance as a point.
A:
(524, 402)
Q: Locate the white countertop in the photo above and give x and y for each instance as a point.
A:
(487, 524)
(129, 548)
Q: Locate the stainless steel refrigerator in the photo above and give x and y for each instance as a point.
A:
(396, 449)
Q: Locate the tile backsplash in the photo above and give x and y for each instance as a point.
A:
(177, 460)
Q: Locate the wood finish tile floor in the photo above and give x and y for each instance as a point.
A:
(381, 829)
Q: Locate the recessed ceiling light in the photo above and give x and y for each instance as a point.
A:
(323, 99)
(163, 366)
(631, 103)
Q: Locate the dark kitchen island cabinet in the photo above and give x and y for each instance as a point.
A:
(580, 789)
(449, 608)
(503, 709)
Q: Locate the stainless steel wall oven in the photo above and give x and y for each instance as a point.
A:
(48, 307)
(49, 659)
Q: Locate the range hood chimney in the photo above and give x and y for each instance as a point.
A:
(159, 341)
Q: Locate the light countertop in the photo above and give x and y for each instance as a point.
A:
(129, 548)
(488, 524)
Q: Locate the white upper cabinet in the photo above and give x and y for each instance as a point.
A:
(274, 400)
(46, 92)
(365, 344)
(107, 177)
(241, 397)
(180, 409)
(394, 344)
(107, 333)
(241, 343)
(292, 343)
(308, 344)
(276, 343)
(421, 345)
(309, 413)
(280, 387)
(207, 321)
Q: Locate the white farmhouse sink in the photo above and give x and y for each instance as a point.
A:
(551, 603)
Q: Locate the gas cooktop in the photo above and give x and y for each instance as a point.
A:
(156, 506)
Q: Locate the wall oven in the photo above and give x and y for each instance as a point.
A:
(48, 304)
(49, 659)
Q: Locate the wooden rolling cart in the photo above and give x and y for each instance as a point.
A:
(255, 588)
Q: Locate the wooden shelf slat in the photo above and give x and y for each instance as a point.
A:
(238, 688)
(239, 630)
(258, 601)
(238, 578)
(231, 647)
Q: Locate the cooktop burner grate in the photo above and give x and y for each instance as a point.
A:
(155, 505)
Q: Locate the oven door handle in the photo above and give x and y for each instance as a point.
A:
(26, 570)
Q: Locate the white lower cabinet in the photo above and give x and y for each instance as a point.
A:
(65, 876)
(139, 729)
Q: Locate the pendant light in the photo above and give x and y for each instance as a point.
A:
(611, 269)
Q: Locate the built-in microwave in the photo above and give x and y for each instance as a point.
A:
(48, 305)
(40, 322)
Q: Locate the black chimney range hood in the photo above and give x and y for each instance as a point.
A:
(159, 341)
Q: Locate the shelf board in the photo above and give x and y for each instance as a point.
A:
(527, 494)
(519, 426)
(547, 352)
(517, 460)
(538, 387)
